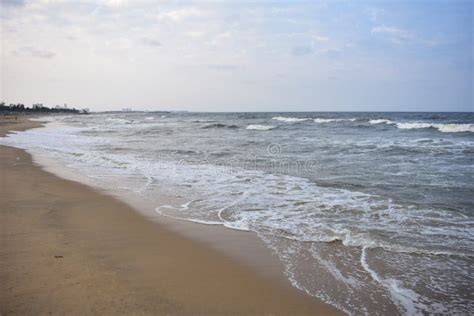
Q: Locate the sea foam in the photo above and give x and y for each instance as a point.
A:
(444, 128)
(381, 121)
(302, 220)
(330, 120)
(260, 127)
(291, 119)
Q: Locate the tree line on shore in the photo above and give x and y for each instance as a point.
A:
(35, 108)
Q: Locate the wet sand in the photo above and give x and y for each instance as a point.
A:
(66, 248)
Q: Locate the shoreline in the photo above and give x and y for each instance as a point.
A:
(67, 248)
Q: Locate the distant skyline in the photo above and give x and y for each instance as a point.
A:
(239, 55)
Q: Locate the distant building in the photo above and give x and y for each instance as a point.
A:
(58, 107)
(38, 106)
(126, 110)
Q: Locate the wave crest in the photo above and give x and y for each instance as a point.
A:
(381, 121)
(444, 128)
(290, 119)
(329, 120)
(260, 127)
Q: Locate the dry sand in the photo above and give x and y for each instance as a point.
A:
(68, 249)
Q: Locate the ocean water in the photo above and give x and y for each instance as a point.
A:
(370, 212)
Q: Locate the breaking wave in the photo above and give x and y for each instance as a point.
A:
(329, 120)
(444, 128)
(291, 119)
(381, 121)
(260, 127)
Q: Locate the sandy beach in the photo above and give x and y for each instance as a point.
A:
(69, 249)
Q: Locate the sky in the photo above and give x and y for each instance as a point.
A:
(239, 55)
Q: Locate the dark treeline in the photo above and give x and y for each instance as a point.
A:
(21, 108)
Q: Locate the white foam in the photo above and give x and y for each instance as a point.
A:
(445, 128)
(442, 127)
(337, 274)
(260, 127)
(316, 120)
(381, 121)
(291, 119)
(197, 221)
(404, 297)
(219, 196)
(329, 120)
(274, 203)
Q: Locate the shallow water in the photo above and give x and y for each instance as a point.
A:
(378, 206)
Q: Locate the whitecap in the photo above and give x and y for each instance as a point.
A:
(290, 119)
(444, 128)
(329, 120)
(260, 127)
(381, 121)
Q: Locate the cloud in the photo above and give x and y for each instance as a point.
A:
(301, 50)
(151, 42)
(221, 38)
(184, 13)
(12, 2)
(385, 29)
(320, 39)
(374, 13)
(30, 51)
(227, 43)
(222, 67)
(394, 34)
(195, 33)
(330, 52)
(115, 3)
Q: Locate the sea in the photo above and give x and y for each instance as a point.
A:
(372, 213)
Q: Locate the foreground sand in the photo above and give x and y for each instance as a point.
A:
(68, 249)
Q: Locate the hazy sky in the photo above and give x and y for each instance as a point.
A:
(239, 55)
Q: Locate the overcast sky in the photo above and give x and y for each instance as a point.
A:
(239, 56)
